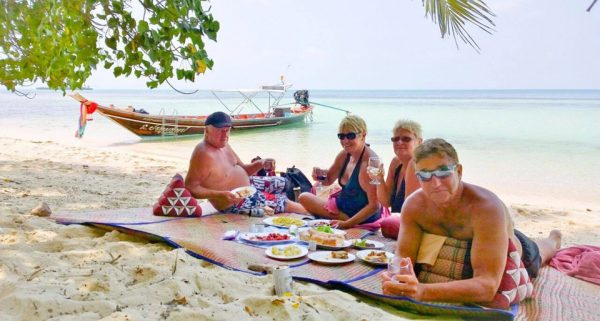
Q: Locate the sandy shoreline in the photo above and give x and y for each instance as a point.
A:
(50, 271)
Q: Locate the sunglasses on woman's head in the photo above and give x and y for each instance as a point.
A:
(404, 139)
(442, 172)
(349, 136)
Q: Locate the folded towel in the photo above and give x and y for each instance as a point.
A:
(580, 261)
(430, 247)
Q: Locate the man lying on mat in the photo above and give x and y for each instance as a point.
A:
(447, 206)
(215, 170)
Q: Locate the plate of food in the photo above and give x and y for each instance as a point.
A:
(331, 257)
(329, 241)
(365, 244)
(284, 221)
(286, 252)
(375, 256)
(319, 222)
(244, 191)
(328, 229)
(345, 244)
(267, 238)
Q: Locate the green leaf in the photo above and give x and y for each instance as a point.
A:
(142, 26)
(117, 71)
(113, 22)
(453, 17)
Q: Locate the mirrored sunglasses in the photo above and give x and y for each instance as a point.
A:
(443, 172)
(349, 136)
(404, 139)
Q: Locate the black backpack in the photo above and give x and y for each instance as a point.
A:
(295, 178)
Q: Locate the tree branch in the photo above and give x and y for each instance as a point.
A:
(179, 91)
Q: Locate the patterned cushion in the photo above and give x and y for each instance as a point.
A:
(515, 285)
(176, 200)
(454, 263)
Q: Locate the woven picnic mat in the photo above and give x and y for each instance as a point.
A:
(201, 237)
(558, 296)
(141, 215)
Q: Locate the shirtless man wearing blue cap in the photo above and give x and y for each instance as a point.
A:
(215, 170)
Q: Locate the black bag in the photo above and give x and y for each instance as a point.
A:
(295, 178)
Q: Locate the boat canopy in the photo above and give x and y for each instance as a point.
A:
(275, 94)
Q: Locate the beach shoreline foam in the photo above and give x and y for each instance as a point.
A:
(51, 271)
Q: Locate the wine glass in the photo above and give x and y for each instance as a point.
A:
(320, 173)
(374, 169)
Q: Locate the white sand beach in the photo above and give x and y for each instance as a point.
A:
(50, 271)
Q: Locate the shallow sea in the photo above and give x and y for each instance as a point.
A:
(538, 147)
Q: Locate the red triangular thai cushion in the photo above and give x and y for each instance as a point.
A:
(515, 285)
(176, 200)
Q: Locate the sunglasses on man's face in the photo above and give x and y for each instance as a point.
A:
(442, 172)
(404, 139)
(349, 136)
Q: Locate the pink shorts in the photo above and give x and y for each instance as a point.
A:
(331, 206)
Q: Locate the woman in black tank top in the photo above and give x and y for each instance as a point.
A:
(357, 202)
(400, 181)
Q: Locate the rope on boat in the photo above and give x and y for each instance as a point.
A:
(327, 106)
(317, 104)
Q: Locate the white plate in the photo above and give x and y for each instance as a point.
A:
(363, 256)
(377, 245)
(335, 230)
(325, 257)
(269, 221)
(250, 237)
(251, 189)
(347, 243)
(269, 252)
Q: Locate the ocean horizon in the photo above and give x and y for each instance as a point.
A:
(536, 146)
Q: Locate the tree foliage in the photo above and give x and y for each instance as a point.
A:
(60, 42)
(453, 17)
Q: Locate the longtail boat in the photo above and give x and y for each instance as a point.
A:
(144, 124)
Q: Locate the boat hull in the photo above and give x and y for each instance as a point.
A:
(145, 125)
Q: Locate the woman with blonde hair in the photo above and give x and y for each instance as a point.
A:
(401, 180)
(356, 203)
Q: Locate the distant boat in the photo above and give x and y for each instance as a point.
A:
(143, 124)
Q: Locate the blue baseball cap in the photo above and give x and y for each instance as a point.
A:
(218, 119)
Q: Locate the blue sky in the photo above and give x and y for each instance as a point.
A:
(390, 44)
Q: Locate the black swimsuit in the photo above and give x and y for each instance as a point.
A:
(397, 199)
(353, 198)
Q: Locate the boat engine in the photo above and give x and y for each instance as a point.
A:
(301, 97)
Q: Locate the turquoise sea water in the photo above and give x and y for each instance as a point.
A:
(528, 146)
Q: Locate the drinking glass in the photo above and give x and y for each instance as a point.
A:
(399, 265)
(321, 174)
(374, 168)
